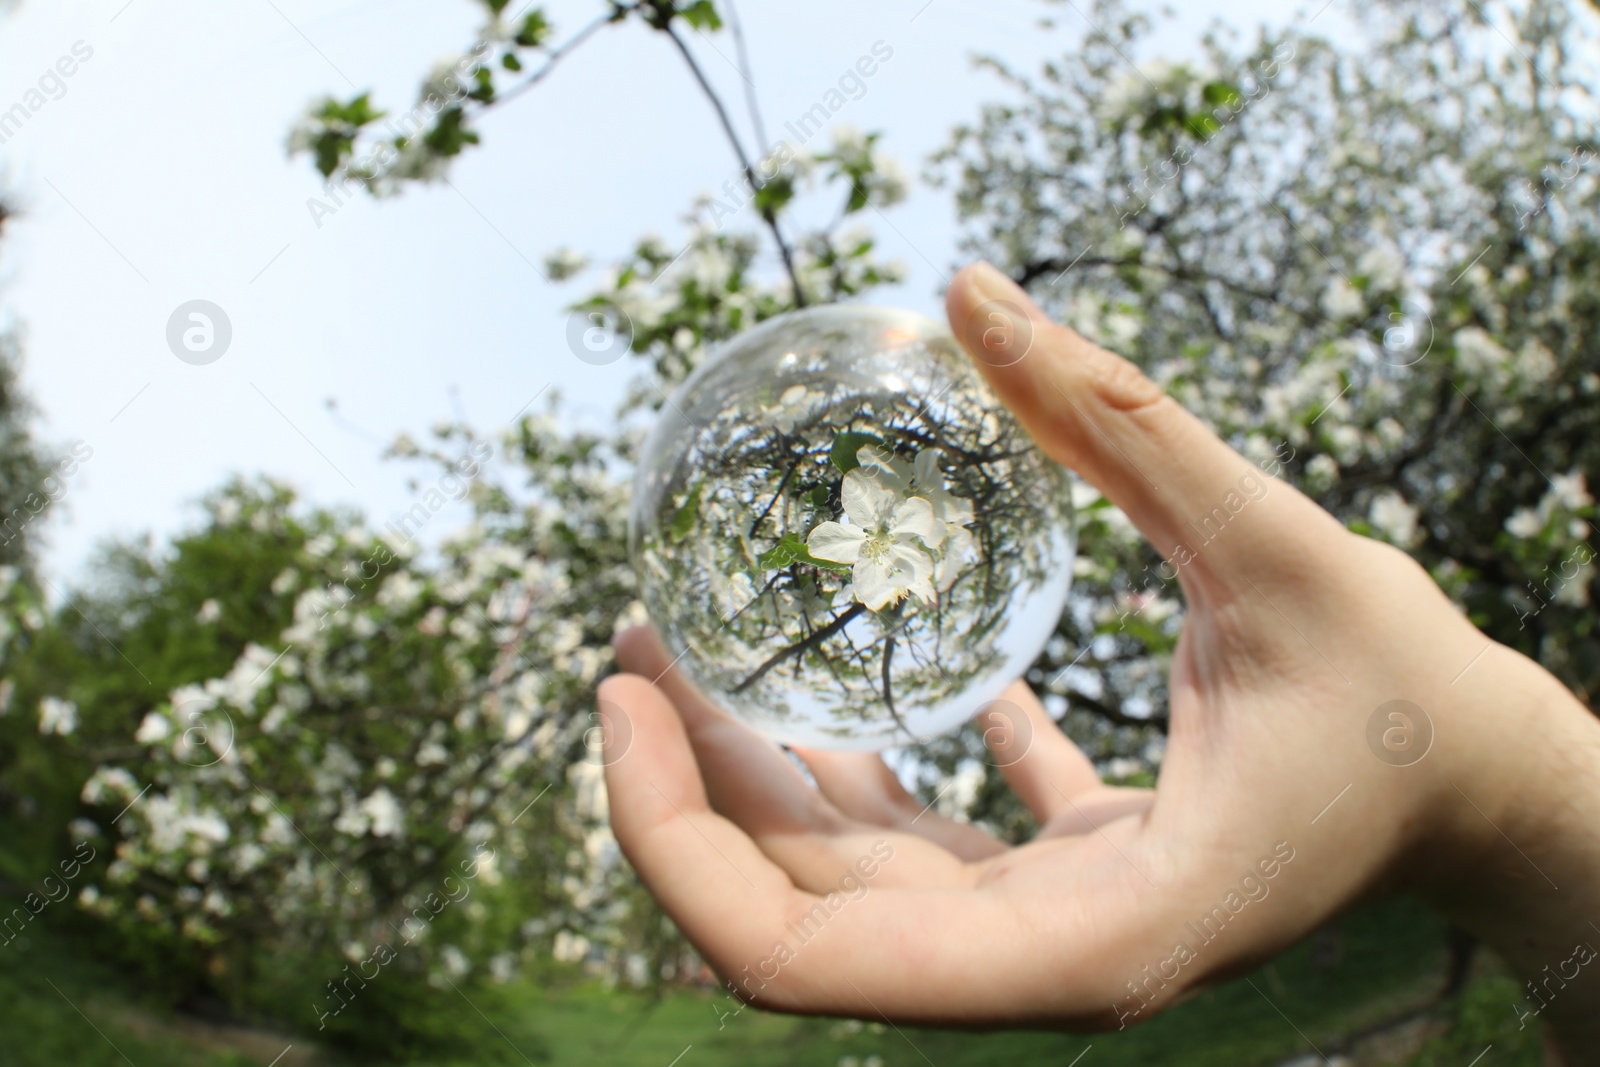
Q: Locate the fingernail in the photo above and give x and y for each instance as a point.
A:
(999, 327)
(616, 732)
(994, 285)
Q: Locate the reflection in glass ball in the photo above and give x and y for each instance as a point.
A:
(843, 535)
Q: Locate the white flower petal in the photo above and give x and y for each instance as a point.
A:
(959, 540)
(872, 584)
(915, 517)
(836, 542)
(952, 509)
(896, 472)
(910, 570)
(923, 590)
(910, 563)
(866, 498)
(958, 547)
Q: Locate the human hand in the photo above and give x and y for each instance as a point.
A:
(1272, 812)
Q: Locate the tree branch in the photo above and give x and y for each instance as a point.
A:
(782, 485)
(767, 214)
(816, 638)
(1034, 269)
(888, 690)
(555, 56)
(749, 82)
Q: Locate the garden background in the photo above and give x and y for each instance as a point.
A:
(309, 770)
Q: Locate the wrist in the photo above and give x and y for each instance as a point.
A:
(1514, 852)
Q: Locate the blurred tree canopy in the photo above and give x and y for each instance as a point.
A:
(1372, 266)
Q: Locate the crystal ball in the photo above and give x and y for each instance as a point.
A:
(843, 536)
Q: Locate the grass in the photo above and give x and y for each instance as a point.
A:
(57, 1006)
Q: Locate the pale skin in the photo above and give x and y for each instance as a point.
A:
(1296, 631)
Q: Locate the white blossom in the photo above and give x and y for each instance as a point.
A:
(1341, 300)
(154, 728)
(1525, 523)
(1479, 354)
(455, 961)
(1569, 491)
(503, 967)
(1384, 266)
(563, 263)
(1391, 516)
(570, 947)
(887, 542)
(57, 716)
(793, 404)
(107, 781)
(384, 811)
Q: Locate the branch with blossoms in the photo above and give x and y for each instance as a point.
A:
(368, 748)
(349, 149)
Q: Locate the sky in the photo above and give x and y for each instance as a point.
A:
(156, 175)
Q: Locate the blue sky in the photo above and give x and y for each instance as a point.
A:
(159, 176)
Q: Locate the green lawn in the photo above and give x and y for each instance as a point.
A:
(59, 1009)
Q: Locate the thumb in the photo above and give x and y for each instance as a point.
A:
(1193, 497)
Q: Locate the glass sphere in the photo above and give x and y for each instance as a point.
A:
(843, 536)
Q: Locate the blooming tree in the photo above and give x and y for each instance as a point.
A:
(1371, 267)
(292, 820)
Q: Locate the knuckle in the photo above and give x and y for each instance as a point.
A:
(1117, 382)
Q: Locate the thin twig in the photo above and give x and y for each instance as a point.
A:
(782, 485)
(888, 690)
(749, 82)
(767, 214)
(555, 56)
(816, 638)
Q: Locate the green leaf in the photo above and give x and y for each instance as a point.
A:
(511, 62)
(684, 518)
(790, 550)
(1162, 117)
(338, 126)
(358, 112)
(845, 447)
(450, 133)
(534, 31)
(496, 6)
(818, 496)
(1218, 93)
(330, 149)
(858, 196)
(775, 194)
(485, 85)
(702, 15)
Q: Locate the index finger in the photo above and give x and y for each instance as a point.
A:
(1092, 410)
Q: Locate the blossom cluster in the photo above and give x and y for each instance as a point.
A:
(907, 533)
